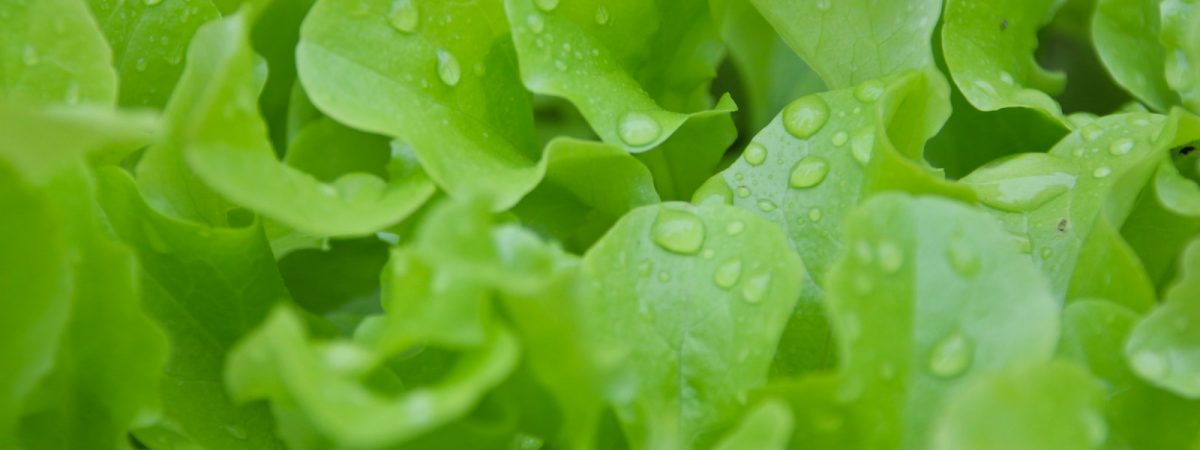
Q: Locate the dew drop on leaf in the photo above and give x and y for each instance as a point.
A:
(840, 139)
(891, 258)
(735, 228)
(601, 15)
(404, 16)
(963, 256)
(951, 356)
(535, 23)
(815, 214)
(805, 117)
(678, 231)
(1102, 172)
(546, 5)
(638, 129)
(862, 146)
(448, 68)
(767, 205)
(728, 273)
(1150, 364)
(755, 287)
(869, 92)
(755, 154)
(808, 172)
(1121, 147)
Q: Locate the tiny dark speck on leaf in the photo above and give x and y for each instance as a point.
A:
(1003, 24)
(1062, 225)
(1187, 150)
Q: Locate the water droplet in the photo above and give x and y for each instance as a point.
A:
(869, 92)
(638, 129)
(404, 16)
(805, 117)
(985, 86)
(708, 253)
(755, 154)
(1102, 172)
(735, 228)
(1007, 78)
(141, 64)
(1094, 427)
(664, 277)
(963, 256)
(743, 192)
(448, 69)
(808, 172)
(815, 214)
(547, 5)
(1150, 364)
(29, 55)
(152, 2)
(888, 371)
(601, 15)
(645, 268)
(755, 288)
(824, 5)
(560, 65)
(535, 23)
(1024, 193)
(862, 146)
(891, 258)
(678, 231)
(1047, 252)
(728, 273)
(767, 205)
(1121, 147)
(1092, 131)
(862, 250)
(951, 356)
(235, 431)
(840, 139)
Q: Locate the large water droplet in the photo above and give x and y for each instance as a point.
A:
(951, 356)
(862, 146)
(1150, 364)
(546, 5)
(755, 288)
(678, 231)
(448, 68)
(638, 129)
(1032, 189)
(891, 258)
(808, 172)
(805, 117)
(869, 92)
(404, 16)
(601, 15)
(728, 273)
(755, 154)
(815, 214)
(535, 23)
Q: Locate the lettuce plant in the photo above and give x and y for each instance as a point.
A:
(599, 224)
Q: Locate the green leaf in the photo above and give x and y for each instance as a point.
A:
(207, 287)
(1139, 415)
(768, 427)
(452, 93)
(636, 71)
(1180, 38)
(1161, 348)
(1052, 406)
(849, 42)
(1065, 206)
(687, 291)
(1126, 36)
(989, 48)
(588, 186)
(896, 304)
(53, 52)
(1168, 213)
(149, 40)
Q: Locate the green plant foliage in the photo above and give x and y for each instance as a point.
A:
(599, 224)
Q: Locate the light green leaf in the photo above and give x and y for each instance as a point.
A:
(1167, 214)
(636, 71)
(849, 42)
(1139, 415)
(989, 49)
(42, 140)
(588, 186)
(52, 51)
(207, 287)
(452, 93)
(922, 301)
(1052, 406)
(149, 40)
(767, 427)
(1126, 36)
(1181, 45)
(697, 296)
(1162, 348)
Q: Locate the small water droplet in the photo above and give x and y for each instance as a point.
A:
(708, 253)
(1150, 364)
(448, 69)
(735, 228)
(824, 5)
(1102, 172)
(862, 251)
(645, 268)
(743, 192)
(678, 231)
(869, 92)
(951, 356)
(728, 273)
(664, 277)
(840, 139)
(755, 288)
(547, 5)
(862, 146)
(1047, 252)
(141, 64)
(638, 129)
(808, 172)
(601, 15)
(767, 205)
(755, 154)
(805, 117)
(985, 86)
(716, 189)
(891, 258)
(535, 23)
(815, 214)
(235, 431)
(1121, 147)
(1095, 427)
(404, 16)
(29, 55)
(1092, 131)
(152, 2)
(560, 65)
(1007, 78)
(963, 256)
